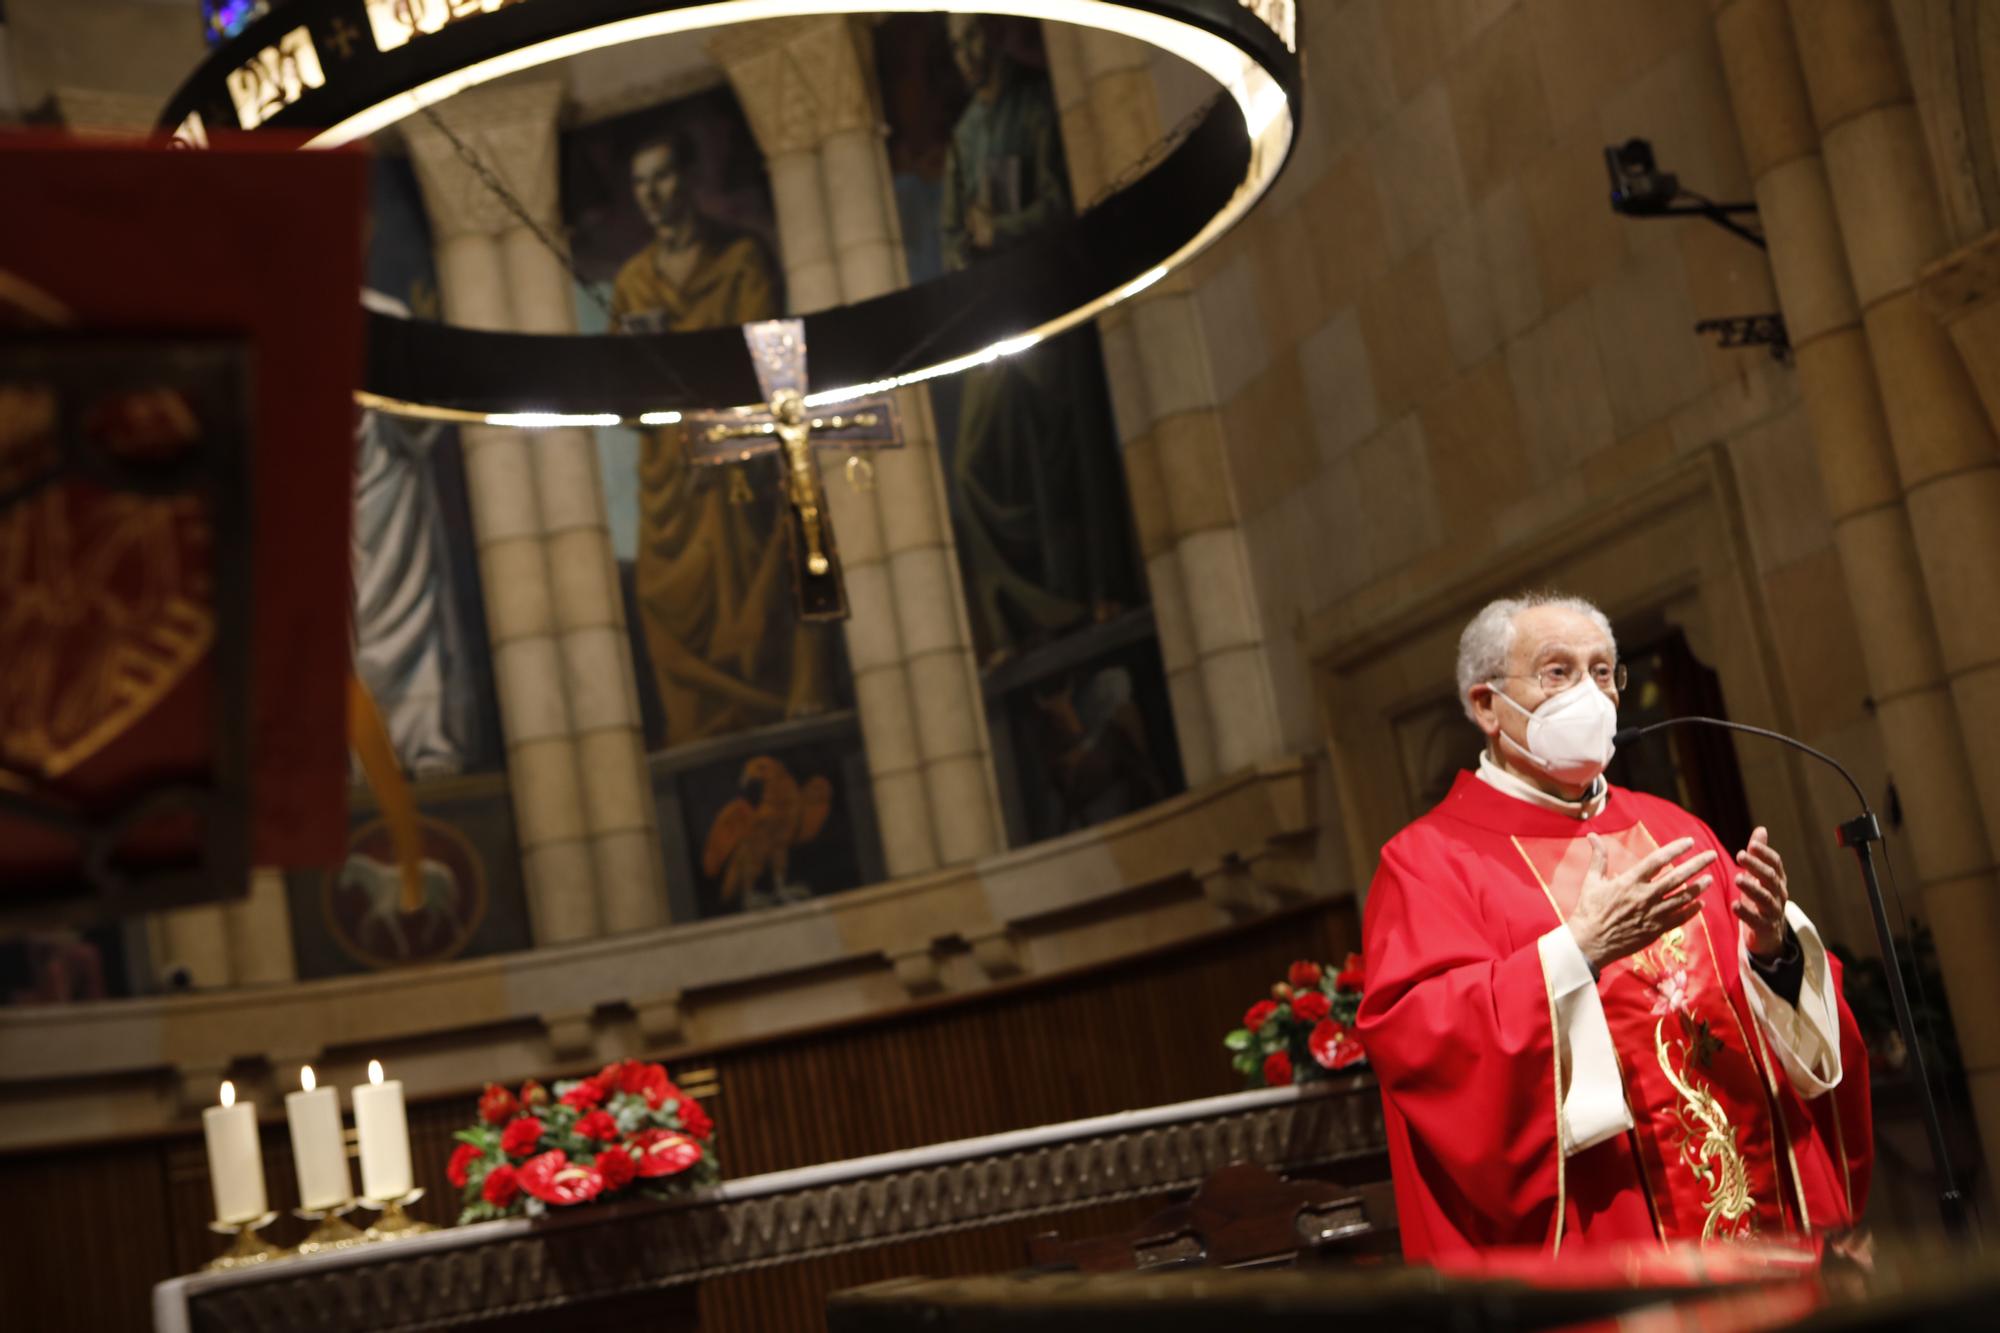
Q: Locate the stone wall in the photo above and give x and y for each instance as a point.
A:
(1435, 345)
(113, 46)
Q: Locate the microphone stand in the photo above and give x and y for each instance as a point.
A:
(1858, 835)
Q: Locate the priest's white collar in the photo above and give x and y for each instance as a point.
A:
(1497, 777)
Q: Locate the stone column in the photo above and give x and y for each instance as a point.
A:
(806, 88)
(544, 775)
(197, 939)
(259, 931)
(1212, 639)
(1963, 291)
(812, 280)
(1946, 453)
(1132, 408)
(910, 504)
(242, 943)
(589, 609)
(1873, 531)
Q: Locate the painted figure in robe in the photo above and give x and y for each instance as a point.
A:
(1035, 489)
(714, 601)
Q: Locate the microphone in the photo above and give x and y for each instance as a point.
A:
(1856, 835)
(1626, 735)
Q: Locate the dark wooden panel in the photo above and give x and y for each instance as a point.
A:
(70, 1229)
(1142, 1034)
(88, 1229)
(793, 1297)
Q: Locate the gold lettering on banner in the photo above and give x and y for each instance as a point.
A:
(398, 22)
(1280, 16)
(191, 133)
(276, 77)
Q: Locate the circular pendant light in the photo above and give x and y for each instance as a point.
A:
(337, 71)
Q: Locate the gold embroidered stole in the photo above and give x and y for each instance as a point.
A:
(1692, 1074)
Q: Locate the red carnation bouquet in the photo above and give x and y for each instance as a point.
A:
(626, 1130)
(1305, 1031)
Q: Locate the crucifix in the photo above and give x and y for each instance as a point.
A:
(784, 426)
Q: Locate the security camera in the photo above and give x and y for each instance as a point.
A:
(1638, 186)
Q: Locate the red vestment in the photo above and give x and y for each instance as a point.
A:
(1459, 1022)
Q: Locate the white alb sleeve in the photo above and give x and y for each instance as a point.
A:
(1805, 1036)
(1592, 1092)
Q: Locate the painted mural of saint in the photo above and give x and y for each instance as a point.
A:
(407, 641)
(1042, 529)
(713, 590)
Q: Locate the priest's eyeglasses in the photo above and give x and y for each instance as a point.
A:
(1556, 677)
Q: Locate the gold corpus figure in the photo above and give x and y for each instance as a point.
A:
(794, 431)
(1709, 1146)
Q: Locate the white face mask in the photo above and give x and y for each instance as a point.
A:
(1569, 735)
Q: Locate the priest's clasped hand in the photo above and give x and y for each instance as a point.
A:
(1617, 915)
(1762, 906)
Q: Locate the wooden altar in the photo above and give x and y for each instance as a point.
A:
(855, 1221)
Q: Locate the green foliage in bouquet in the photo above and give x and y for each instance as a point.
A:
(626, 1130)
(1305, 1031)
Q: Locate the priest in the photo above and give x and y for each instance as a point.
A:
(1594, 1024)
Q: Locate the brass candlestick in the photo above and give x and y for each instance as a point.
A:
(331, 1229)
(395, 1224)
(247, 1249)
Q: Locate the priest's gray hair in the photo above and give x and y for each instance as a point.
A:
(1489, 638)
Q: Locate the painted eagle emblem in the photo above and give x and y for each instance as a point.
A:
(754, 834)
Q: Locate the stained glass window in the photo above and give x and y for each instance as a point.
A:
(223, 19)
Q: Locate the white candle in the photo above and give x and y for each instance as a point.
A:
(318, 1155)
(385, 1136)
(235, 1161)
